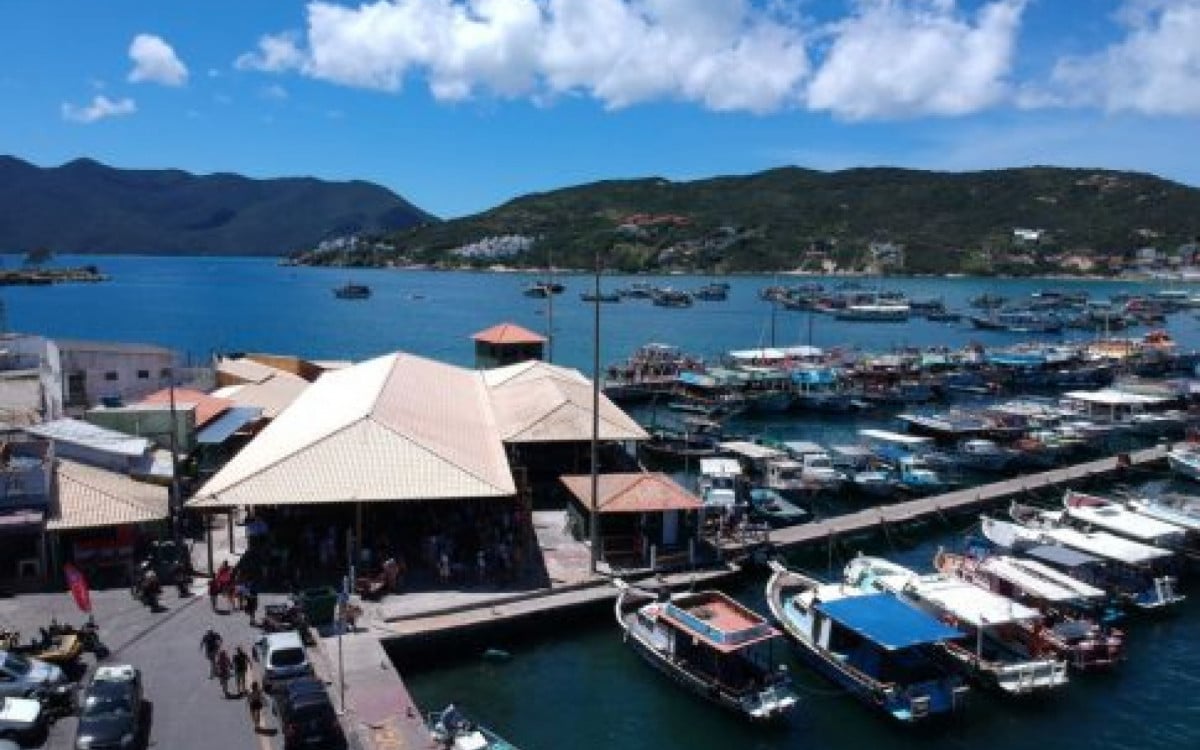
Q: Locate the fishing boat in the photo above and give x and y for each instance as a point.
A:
(668, 297)
(1004, 656)
(1185, 461)
(715, 292)
(718, 483)
(1018, 321)
(773, 509)
(696, 438)
(976, 454)
(1082, 642)
(538, 289)
(886, 654)
(1138, 574)
(709, 644)
(352, 291)
(1092, 511)
(816, 465)
(451, 729)
(874, 313)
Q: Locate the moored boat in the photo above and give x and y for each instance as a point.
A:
(709, 644)
(1082, 642)
(1185, 461)
(774, 509)
(885, 653)
(1002, 657)
(352, 291)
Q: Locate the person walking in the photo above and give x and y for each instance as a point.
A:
(241, 665)
(251, 602)
(210, 644)
(214, 589)
(224, 670)
(255, 700)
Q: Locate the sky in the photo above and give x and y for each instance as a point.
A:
(460, 105)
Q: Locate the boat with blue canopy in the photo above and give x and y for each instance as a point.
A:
(888, 655)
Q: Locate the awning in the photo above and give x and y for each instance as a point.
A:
(886, 621)
(234, 419)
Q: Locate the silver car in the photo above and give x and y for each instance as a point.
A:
(21, 676)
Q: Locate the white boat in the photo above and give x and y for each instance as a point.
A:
(1185, 461)
(709, 644)
(1163, 510)
(718, 483)
(1136, 572)
(888, 655)
(450, 729)
(875, 313)
(816, 465)
(1003, 657)
(1093, 511)
(1066, 604)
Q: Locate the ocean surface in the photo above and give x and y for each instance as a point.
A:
(575, 684)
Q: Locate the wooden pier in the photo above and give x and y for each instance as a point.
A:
(960, 501)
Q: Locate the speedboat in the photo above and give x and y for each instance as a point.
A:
(452, 730)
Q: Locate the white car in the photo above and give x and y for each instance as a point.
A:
(283, 658)
(21, 720)
(21, 676)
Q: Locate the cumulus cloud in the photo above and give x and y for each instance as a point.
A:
(905, 58)
(1154, 70)
(724, 54)
(100, 108)
(154, 61)
(275, 53)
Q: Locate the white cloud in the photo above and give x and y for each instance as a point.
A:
(1154, 70)
(724, 54)
(906, 58)
(276, 52)
(100, 108)
(154, 61)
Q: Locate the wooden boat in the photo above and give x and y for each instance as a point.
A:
(451, 729)
(352, 291)
(772, 508)
(667, 297)
(1004, 657)
(697, 438)
(1082, 642)
(1135, 573)
(709, 644)
(888, 655)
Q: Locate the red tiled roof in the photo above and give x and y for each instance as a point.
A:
(636, 492)
(509, 333)
(208, 407)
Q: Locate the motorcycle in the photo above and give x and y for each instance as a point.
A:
(57, 701)
(147, 589)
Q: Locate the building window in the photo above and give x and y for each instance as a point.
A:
(164, 372)
(110, 375)
(143, 374)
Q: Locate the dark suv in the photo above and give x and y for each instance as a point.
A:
(307, 717)
(110, 713)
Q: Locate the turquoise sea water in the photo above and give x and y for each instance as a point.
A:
(574, 683)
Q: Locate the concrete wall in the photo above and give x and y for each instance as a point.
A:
(152, 422)
(92, 374)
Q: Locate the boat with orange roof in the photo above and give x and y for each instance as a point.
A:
(711, 645)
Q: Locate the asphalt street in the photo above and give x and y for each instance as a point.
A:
(186, 709)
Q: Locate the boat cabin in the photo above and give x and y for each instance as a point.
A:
(718, 483)
(893, 446)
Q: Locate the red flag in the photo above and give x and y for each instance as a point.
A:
(79, 587)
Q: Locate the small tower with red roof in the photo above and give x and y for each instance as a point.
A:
(506, 344)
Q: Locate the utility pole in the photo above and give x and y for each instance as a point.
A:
(175, 501)
(595, 520)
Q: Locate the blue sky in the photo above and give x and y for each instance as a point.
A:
(459, 105)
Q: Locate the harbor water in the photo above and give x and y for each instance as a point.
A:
(574, 683)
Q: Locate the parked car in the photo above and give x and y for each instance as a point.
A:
(110, 713)
(21, 720)
(308, 720)
(283, 658)
(22, 676)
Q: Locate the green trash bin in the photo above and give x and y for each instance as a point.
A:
(320, 605)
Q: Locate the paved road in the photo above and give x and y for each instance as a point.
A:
(187, 709)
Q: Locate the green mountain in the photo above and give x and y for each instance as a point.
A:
(790, 218)
(86, 207)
